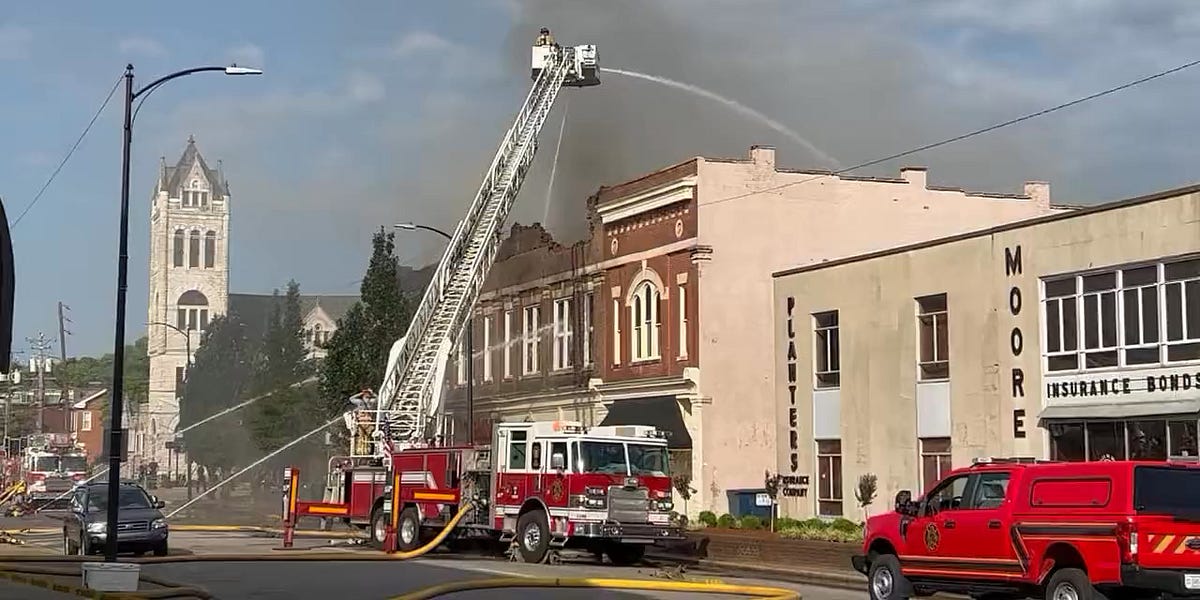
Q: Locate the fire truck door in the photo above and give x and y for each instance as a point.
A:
(556, 481)
(536, 466)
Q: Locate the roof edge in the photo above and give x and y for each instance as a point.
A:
(1061, 216)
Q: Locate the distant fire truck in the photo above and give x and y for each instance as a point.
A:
(543, 485)
(539, 485)
(51, 465)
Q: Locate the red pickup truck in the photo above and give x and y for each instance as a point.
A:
(1016, 528)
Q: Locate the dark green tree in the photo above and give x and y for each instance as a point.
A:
(356, 355)
(83, 372)
(222, 371)
(290, 411)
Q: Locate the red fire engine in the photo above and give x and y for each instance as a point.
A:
(50, 467)
(543, 485)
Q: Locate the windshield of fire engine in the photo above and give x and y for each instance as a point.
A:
(45, 464)
(602, 457)
(74, 463)
(648, 460)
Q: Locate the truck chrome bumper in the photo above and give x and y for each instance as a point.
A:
(628, 532)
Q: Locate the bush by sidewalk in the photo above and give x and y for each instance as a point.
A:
(825, 530)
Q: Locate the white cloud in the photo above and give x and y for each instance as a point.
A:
(141, 46)
(416, 43)
(247, 55)
(15, 42)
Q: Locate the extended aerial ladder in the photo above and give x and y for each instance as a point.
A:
(407, 406)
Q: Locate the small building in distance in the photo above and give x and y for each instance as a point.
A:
(662, 315)
(1068, 336)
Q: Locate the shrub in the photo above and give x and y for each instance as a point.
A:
(726, 521)
(751, 522)
(708, 518)
(824, 534)
(845, 525)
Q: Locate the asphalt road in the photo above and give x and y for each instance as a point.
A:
(374, 580)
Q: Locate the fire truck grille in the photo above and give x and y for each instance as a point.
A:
(58, 485)
(628, 505)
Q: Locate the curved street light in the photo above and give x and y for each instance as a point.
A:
(116, 434)
(187, 367)
(470, 341)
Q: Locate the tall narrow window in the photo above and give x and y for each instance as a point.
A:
(562, 333)
(1140, 307)
(177, 248)
(1100, 320)
(203, 319)
(487, 348)
(530, 337)
(683, 322)
(1183, 309)
(181, 318)
(194, 249)
(645, 319)
(210, 249)
(829, 475)
(935, 460)
(932, 321)
(587, 328)
(616, 323)
(1062, 325)
(826, 360)
(203, 199)
(508, 343)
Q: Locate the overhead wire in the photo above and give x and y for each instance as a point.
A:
(70, 152)
(959, 138)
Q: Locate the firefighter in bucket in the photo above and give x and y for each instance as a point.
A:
(364, 422)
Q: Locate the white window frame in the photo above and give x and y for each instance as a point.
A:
(531, 338)
(1130, 336)
(562, 334)
(681, 291)
(487, 348)
(508, 372)
(588, 328)
(931, 370)
(831, 376)
(85, 420)
(836, 493)
(644, 317)
(616, 323)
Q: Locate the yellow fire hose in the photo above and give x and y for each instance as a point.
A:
(422, 594)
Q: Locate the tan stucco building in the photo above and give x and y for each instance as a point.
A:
(1073, 336)
(662, 316)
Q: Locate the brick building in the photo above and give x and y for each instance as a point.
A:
(675, 280)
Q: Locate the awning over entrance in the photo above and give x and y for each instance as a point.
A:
(1113, 410)
(661, 412)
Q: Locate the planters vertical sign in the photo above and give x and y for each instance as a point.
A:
(1016, 338)
(793, 428)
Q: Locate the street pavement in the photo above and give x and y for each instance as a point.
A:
(378, 580)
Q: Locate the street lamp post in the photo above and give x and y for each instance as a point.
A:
(187, 370)
(470, 342)
(116, 434)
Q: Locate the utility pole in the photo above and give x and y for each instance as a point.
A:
(40, 364)
(62, 331)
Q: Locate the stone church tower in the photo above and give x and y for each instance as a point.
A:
(189, 286)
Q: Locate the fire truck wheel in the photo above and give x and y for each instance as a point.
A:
(378, 527)
(408, 531)
(624, 555)
(533, 536)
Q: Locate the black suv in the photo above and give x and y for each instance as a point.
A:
(140, 526)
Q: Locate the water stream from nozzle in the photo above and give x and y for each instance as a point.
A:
(736, 106)
(554, 166)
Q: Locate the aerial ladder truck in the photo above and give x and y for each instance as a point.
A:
(541, 486)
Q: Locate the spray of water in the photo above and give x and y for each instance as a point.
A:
(554, 167)
(254, 464)
(193, 426)
(737, 107)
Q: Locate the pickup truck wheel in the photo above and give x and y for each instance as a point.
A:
(885, 582)
(1071, 584)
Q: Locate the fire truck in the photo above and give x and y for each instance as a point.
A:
(51, 465)
(540, 486)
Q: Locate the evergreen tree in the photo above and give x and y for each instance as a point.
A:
(289, 412)
(356, 355)
(221, 371)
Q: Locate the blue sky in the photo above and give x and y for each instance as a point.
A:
(373, 112)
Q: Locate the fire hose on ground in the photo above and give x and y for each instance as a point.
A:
(179, 591)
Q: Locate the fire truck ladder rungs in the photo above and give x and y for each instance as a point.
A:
(411, 389)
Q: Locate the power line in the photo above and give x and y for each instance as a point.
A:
(964, 136)
(61, 164)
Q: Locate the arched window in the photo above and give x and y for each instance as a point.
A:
(194, 249)
(177, 248)
(644, 318)
(318, 336)
(192, 311)
(210, 249)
